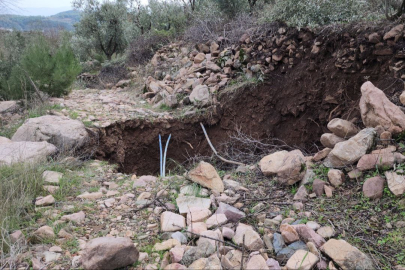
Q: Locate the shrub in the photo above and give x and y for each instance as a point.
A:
(144, 47)
(52, 70)
(313, 13)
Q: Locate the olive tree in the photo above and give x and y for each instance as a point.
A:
(103, 25)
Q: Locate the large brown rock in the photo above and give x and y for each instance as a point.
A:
(342, 128)
(289, 167)
(302, 259)
(350, 151)
(396, 183)
(200, 96)
(60, 131)
(395, 31)
(376, 109)
(206, 175)
(14, 152)
(171, 222)
(309, 235)
(109, 253)
(382, 161)
(252, 238)
(373, 187)
(346, 255)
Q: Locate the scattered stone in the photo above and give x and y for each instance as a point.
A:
(326, 232)
(252, 238)
(376, 109)
(232, 260)
(185, 203)
(45, 232)
(51, 256)
(231, 213)
(197, 214)
(76, 217)
(109, 253)
(17, 236)
(329, 140)
(216, 220)
(309, 235)
(395, 31)
(272, 264)
(288, 166)
(302, 260)
(90, 196)
(8, 106)
(197, 227)
(336, 177)
(179, 237)
(301, 194)
(194, 253)
(396, 183)
(350, 151)
(313, 225)
(312, 248)
(44, 201)
(373, 188)
(256, 262)
(346, 256)
(289, 234)
(200, 96)
(328, 191)
(278, 242)
(206, 175)
(175, 266)
(145, 180)
(383, 161)
(318, 187)
(166, 245)
(228, 233)
(171, 222)
(52, 177)
(322, 154)
(51, 189)
(342, 128)
(355, 174)
(176, 254)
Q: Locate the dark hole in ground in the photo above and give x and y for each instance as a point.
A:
(294, 107)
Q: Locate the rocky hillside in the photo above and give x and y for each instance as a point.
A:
(340, 206)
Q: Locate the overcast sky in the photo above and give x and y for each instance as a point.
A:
(42, 7)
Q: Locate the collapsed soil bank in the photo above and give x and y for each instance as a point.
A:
(293, 104)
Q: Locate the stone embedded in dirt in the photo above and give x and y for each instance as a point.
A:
(51, 256)
(212, 262)
(395, 31)
(227, 232)
(376, 109)
(64, 234)
(206, 175)
(210, 236)
(342, 128)
(171, 222)
(15, 152)
(252, 238)
(396, 183)
(37, 264)
(354, 174)
(145, 180)
(199, 58)
(301, 194)
(256, 262)
(286, 253)
(322, 154)
(109, 253)
(185, 203)
(302, 260)
(336, 177)
(373, 188)
(374, 38)
(213, 67)
(200, 96)
(318, 187)
(64, 133)
(346, 256)
(298, 206)
(289, 234)
(52, 177)
(309, 175)
(309, 235)
(348, 152)
(313, 225)
(17, 236)
(197, 214)
(45, 232)
(44, 201)
(51, 189)
(8, 106)
(272, 264)
(179, 237)
(278, 242)
(288, 166)
(312, 248)
(329, 140)
(216, 220)
(231, 184)
(196, 252)
(176, 254)
(166, 245)
(173, 266)
(326, 232)
(231, 213)
(382, 161)
(402, 98)
(328, 191)
(123, 83)
(76, 217)
(90, 196)
(232, 259)
(56, 249)
(197, 227)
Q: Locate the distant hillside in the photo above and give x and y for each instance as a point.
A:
(64, 20)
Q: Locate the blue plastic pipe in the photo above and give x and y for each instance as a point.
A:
(161, 160)
(164, 158)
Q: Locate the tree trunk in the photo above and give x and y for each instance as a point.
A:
(401, 10)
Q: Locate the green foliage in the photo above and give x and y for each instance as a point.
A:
(313, 13)
(102, 26)
(231, 8)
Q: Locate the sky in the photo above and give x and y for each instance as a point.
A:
(41, 7)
